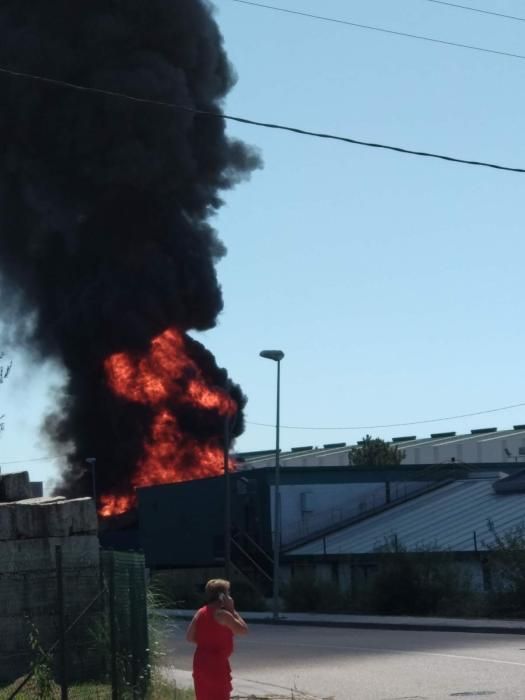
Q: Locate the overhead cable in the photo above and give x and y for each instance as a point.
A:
(383, 30)
(254, 122)
(352, 427)
(391, 425)
(27, 461)
(477, 9)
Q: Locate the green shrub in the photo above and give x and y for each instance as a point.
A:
(247, 599)
(176, 590)
(306, 593)
(41, 666)
(173, 590)
(426, 582)
(507, 564)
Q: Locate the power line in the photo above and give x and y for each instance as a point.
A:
(26, 461)
(351, 427)
(392, 425)
(383, 30)
(477, 9)
(253, 122)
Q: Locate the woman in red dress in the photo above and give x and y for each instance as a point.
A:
(212, 630)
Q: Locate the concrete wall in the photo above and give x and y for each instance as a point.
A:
(30, 531)
(344, 573)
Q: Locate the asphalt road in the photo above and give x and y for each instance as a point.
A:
(350, 664)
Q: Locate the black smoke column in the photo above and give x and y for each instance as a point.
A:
(105, 203)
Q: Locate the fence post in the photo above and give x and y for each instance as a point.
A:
(113, 628)
(61, 623)
(135, 638)
(145, 628)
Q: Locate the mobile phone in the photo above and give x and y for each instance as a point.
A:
(222, 598)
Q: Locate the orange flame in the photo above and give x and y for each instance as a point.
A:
(115, 505)
(166, 374)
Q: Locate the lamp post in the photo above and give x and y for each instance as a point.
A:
(92, 461)
(276, 356)
(229, 427)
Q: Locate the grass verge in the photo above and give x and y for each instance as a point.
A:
(160, 690)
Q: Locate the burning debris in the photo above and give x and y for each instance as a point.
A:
(107, 256)
(172, 384)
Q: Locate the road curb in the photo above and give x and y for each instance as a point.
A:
(431, 626)
(480, 629)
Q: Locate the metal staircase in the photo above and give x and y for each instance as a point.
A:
(253, 562)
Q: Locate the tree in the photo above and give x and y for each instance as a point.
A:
(507, 556)
(374, 452)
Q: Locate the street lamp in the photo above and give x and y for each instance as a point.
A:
(276, 356)
(92, 461)
(229, 427)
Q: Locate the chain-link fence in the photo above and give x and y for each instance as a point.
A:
(75, 629)
(124, 574)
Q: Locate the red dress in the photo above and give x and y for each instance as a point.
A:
(211, 665)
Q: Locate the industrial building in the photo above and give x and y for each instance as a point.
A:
(182, 526)
(480, 446)
(312, 499)
(332, 511)
(458, 516)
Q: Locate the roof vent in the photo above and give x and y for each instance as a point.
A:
(442, 435)
(302, 449)
(481, 431)
(407, 438)
(331, 445)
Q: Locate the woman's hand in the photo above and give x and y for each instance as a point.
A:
(228, 603)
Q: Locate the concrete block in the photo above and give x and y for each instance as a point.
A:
(15, 487)
(15, 633)
(47, 517)
(18, 556)
(28, 521)
(79, 550)
(40, 500)
(37, 489)
(85, 518)
(12, 595)
(32, 592)
(7, 528)
(38, 554)
(72, 517)
(28, 584)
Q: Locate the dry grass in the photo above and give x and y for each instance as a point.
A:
(160, 690)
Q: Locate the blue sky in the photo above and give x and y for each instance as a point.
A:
(392, 283)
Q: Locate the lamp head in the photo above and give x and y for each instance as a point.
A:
(275, 355)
